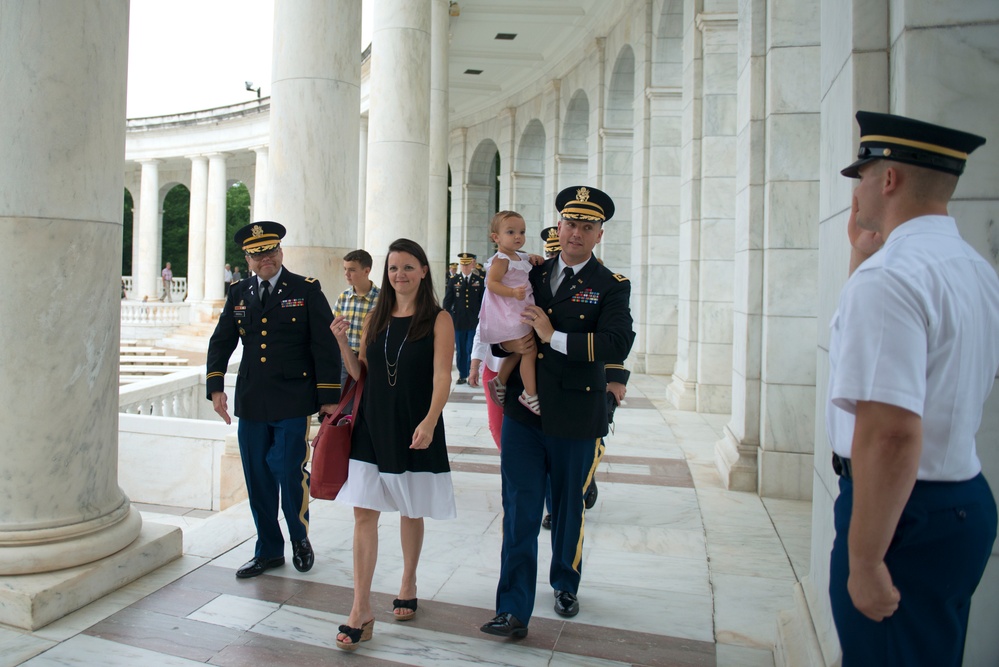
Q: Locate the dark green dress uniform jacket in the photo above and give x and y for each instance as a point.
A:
(463, 302)
(594, 310)
(291, 361)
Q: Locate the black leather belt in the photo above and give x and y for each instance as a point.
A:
(842, 466)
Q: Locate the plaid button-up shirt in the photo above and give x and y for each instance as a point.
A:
(354, 307)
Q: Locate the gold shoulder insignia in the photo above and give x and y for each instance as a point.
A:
(620, 278)
(310, 280)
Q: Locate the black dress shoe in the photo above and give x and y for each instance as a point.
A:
(546, 523)
(302, 555)
(461, 381)
(590, 499)
(566, 604)
(505, 625)
(257, 566)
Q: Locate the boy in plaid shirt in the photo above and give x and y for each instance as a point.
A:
(355, 302)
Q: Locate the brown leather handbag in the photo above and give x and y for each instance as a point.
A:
(331, 446)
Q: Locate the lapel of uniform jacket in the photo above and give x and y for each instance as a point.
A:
(543, 281)
(280, 291)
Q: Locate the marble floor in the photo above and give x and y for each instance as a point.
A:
(676, 571)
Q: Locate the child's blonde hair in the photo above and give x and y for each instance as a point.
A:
(500, 217)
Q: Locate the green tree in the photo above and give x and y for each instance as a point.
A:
(237, 214)
(176, 225)
(126, 235)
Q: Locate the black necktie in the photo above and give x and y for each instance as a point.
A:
(566, 276)
(265, 291)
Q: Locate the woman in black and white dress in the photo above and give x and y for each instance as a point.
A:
(398, 457)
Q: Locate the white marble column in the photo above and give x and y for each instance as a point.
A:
(261, 201)
(459, 158)
(133, 182)
(662, 256)
(362, 180)
(736, 453)
(64, 123)
(215, 231)
(436, 245)
(790, 252)
(703, 376)
(149, 233)
(197, 229)
(681, 392)
(551, 99)
(507, 148)
(315, 109)
(399, 126)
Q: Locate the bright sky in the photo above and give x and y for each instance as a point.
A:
(188, 55)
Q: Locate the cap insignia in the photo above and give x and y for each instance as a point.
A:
(256, 231)
(582, 194)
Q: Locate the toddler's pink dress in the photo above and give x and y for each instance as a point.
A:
(499, 316)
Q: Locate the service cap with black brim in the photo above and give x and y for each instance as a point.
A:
(580, 202)
(259, 236)
(550, 236)
(886, 136)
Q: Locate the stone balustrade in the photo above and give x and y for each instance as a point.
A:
(178, 289)
(136, 313)
(174, 395)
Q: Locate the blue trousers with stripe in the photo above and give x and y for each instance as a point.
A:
(274, 456)
(528, 458)
(936, 559)
(463, 339)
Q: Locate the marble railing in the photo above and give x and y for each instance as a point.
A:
(178, 394)
(168, 418)
(154, 314)
(178, 288)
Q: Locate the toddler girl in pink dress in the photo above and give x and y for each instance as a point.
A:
(508, 291)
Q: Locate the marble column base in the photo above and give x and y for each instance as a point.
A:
(659, 364)
(797, 643)
(31, 601)
(638, 363)
(681, 394)
(714, 399)
(785, 474)
(736, 463)
(232, 485)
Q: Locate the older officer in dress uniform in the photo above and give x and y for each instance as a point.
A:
(582, 319)
(462, 299)
(913, 356)
(290, 369)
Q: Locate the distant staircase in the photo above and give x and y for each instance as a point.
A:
(190, 337)
(142, 362)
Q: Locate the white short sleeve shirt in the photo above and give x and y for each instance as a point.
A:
(918, 327)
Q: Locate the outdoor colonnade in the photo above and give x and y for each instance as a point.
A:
(718, 126)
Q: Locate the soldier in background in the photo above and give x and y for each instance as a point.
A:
(462, 299)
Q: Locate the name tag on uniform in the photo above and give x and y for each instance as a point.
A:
(239, 311)
(292, 303)
(586, 296)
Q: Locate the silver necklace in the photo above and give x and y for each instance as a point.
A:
(392, 368)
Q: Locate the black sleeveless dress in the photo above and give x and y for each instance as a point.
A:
(385, 474)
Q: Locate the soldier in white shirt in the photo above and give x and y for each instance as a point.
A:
(914, 352)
